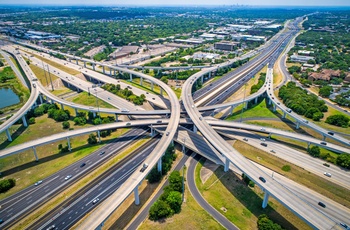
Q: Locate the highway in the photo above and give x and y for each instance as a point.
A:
(76, 206)
(14, 68)
(19, 204)
(314, 218)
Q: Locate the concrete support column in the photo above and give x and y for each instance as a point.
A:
(274, 107)
(269, 101)
(284, 115)
(136, 194)
(231, 109)
(90, 78)
(308, 145)
(246, 105)
(24, 121)
(99, 136)
(103, 69)
(94, 113)
(227, 164)
(152, 131)
(76, 111)
(141, 81)
(161, 92)
(256, 100)
(130, 77)
(41, 99)
(159, 165)
(183, 148)
(152, 85)
(68, 142)
(116, 117)
(266, 199)
(84, 64)
(202, 79)
(298, 125)
(194, 129)
(209, 75)
(324, 137)
(93, 66)
(76, 60)
(115, 73)
(35, 155)
(110, 72)
(62, 106)
(9, 138)
(269, 136)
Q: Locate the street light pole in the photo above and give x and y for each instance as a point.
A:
(183, 173)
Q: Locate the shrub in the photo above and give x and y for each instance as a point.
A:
(7, 184)
(286, 168)
(66, 125)
(31, 120)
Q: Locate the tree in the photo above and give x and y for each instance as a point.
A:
(175, 181)
(92, 139)
(338, 120)
(32, 120)
(343, 160)
(174, 200)
(264, 223)
(164, 79)
(314, 151)
(66, 125)
(160, 209)
(7, 184)
(325, 91)
(154, 176)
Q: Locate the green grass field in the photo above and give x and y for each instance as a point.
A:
(83, 98)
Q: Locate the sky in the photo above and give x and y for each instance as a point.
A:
(183, 2)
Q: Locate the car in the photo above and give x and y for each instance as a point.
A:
(263, 144)
(262, 179)
(278, 103)
(263, 139)
(153, 98)
(82, 165)
(147, 92)
(39, 182)
(331, 133)
(262, 129)
(273, 151)
(321, 204)
(306, 121)
(344, 225)
(167, 134)
(159, 121)
(109, 98)
(95, 201)
(323, 143)
(128, 123)
(144, 166)
(245, 139)
(51, 227)
(200, 118)
(68, 177)
(327, 174)
(326, 164)
(101, 153)
(125, 110)
(289, 110)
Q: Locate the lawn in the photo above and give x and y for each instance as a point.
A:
(83, 98)
(43, 76)
(257, 110)
(242, 204)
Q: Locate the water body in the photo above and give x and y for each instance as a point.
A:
(8, 97)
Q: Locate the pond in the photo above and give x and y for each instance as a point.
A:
(8, 97)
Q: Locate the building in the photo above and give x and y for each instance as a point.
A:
(325, 74)
(228, 46)
(305, 52)
(189, 41)
(205, 56)
(300, 58)
(247, 37)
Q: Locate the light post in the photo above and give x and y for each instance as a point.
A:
(183, 173)
(245, 86)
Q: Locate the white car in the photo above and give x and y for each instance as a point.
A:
(327, 174)
(95, 201)
(39, 182)
(68, 177)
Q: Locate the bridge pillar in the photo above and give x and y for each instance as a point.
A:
(274, 107)
(41, 99)
(298, 125)
(152, 131)
(116, 117)
(141, 81)
(209, 75)
(324, 137)
(76, 60)
(256, 100)
(110, 72)
(62, 106)
(308, 145)
(194, 128)
(159, 165)
(231, 109)
(93, 66)
(161, 92)
(202, 79)
(130, 77)
(76, 111)
(266, 199)
(246, 105)
(9, 138)
(94, 113)
(152, 85)
(103, 69)
(227, 164)
(269, 101)
(284, 115)
(136, 194)
(269, 136)
(99, 136)
(35, 155)
(115, 73)
(24, 121)
(68, 142)
(84, 64)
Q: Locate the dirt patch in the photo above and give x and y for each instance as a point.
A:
(207, 170)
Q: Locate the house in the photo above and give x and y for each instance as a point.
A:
(325, 74)
(300, 58)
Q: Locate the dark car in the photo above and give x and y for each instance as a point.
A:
(262, 179)
(82, 165)
(103, 152)
(263, 144)
(331, 133)
(323, 143)
(321, 204)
